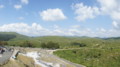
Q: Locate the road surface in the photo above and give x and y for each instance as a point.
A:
(5, 57)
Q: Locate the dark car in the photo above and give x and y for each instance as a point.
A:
(2, 50)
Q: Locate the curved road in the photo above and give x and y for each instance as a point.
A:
(5, 57)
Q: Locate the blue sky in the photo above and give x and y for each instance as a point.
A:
(94, 18)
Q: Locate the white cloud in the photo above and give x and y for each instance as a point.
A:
(111, 8)
(116, 25)
(102, 30)
(23, 28)
(37, 30)
(75, 26)
(84, 12)
(55, 26)
(25, 1)
(58, 32)
(115, 15)
(108, 5)
(1, 6)
(21, 18)
(74, 31)
(17, 6)
(52, 15)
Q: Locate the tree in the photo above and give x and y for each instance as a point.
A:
(50, 45)
(3, 43)
(26, 44)
(43, 45)
(79, 44)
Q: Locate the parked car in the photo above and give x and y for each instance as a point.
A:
(2, 50)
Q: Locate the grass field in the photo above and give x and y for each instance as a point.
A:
(92, 57)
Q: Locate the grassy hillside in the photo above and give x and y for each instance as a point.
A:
(92, 57)
(112, 38)
(12, 36)
(74, 42)
(6, 36)
(13, 39)
(67, 42)
(16, 39)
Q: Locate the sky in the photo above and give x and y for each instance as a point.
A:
(93, 18)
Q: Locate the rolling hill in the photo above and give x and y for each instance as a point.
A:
(12, 36)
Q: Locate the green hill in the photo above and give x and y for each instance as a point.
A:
(10, 36)
(112, 38)
(16, 39)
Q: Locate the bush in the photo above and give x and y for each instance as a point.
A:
(3, 43)
(50, 45)
(26, 44)
(79, 44)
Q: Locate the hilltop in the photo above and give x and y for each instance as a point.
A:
(12, 36)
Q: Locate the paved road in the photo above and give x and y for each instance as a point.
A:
(5, 57)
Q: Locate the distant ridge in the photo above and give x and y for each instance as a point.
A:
(114, 38)
(8, 36)
(13, 36)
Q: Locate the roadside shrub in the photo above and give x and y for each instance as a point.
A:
(50, 45)
(26, 44)
(78, 44)
(3, 43)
